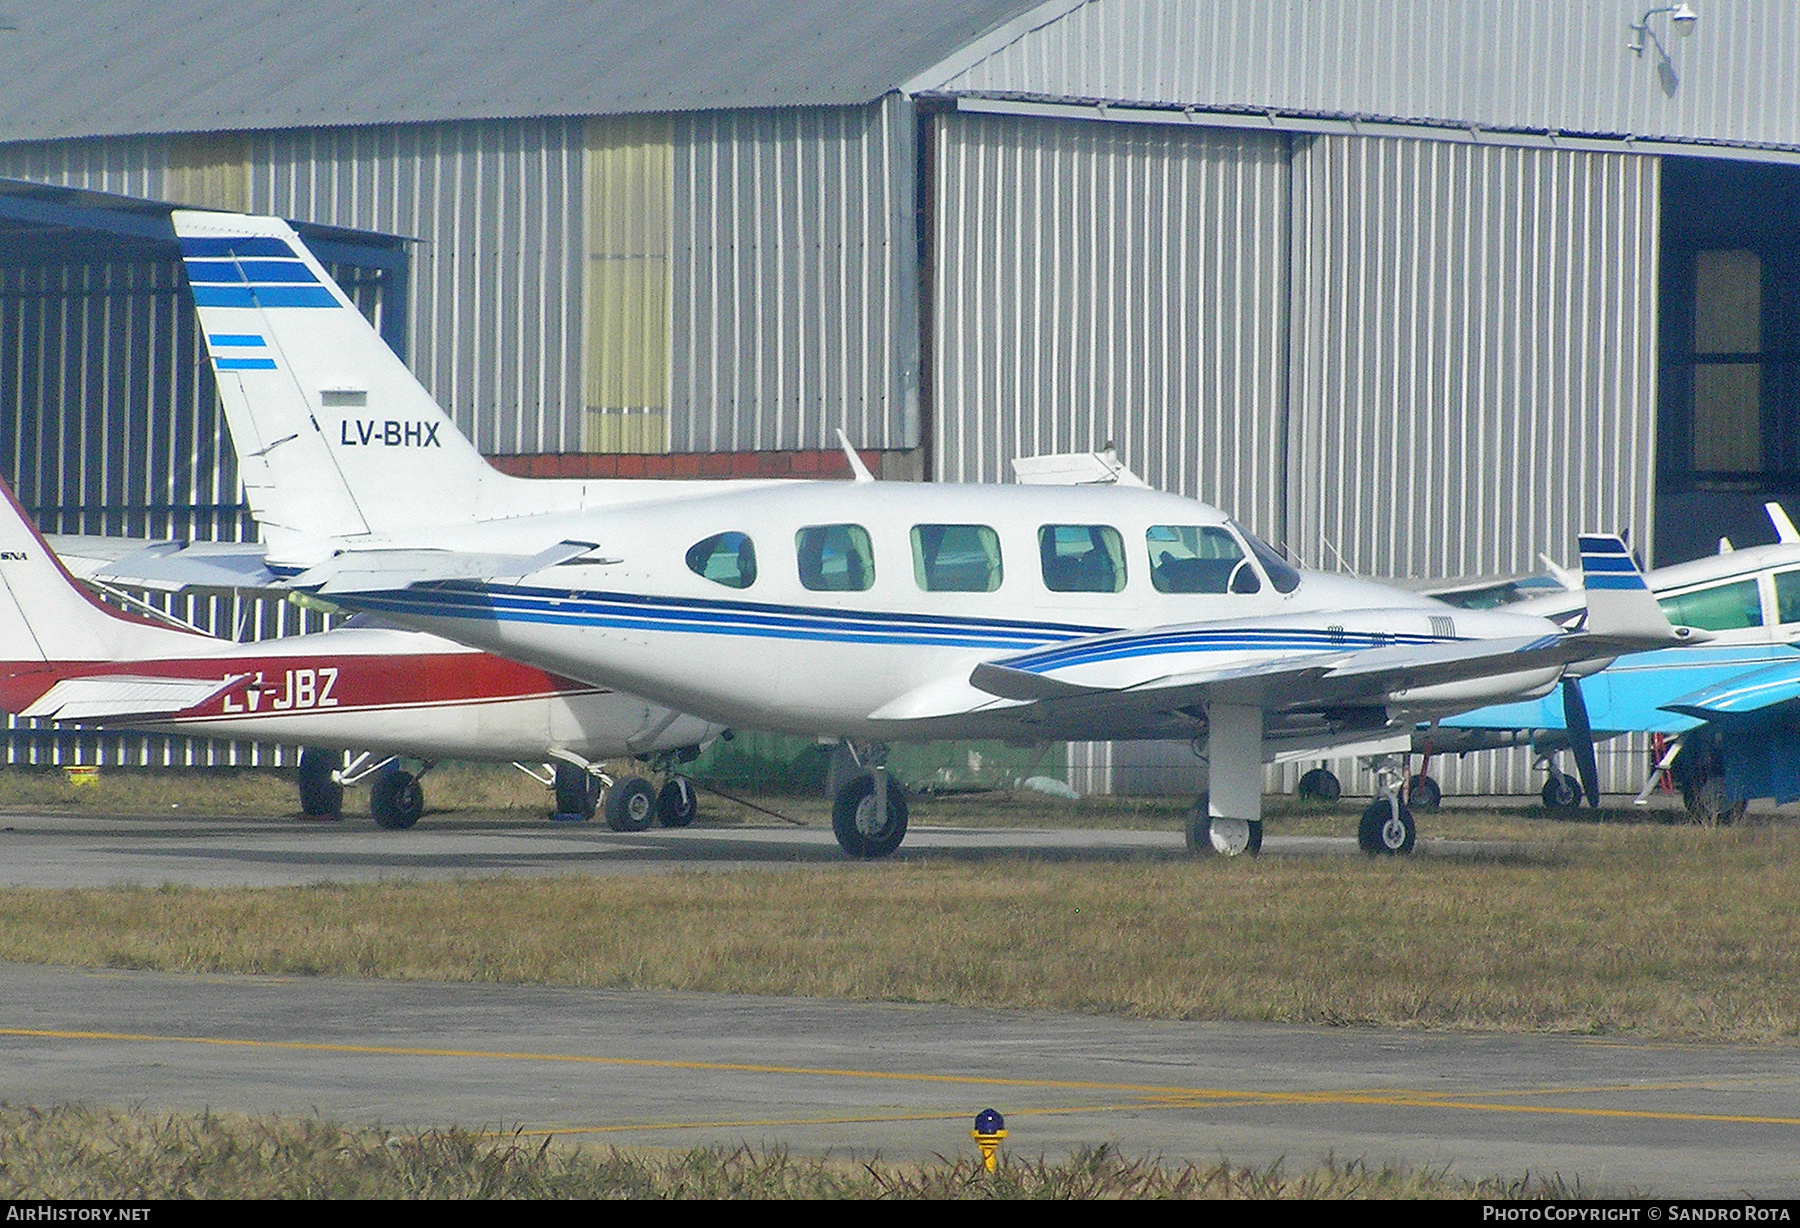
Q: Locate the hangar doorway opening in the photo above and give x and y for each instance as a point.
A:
(1729, 405)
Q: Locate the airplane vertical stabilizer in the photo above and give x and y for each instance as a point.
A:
(334, 435)
(46, 616)
(1619, 601)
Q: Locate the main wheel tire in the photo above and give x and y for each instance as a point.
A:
(1422, 793)
(395, 799)
(853, 818)
(1708, 804)
(320, 795)
(1319, 785)
(1207, 836)
(577, 790)
(677, 804)
(1386, 829)
(1561, 792)
(630, 805)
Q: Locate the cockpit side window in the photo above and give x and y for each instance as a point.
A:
(1787, 596)
(1082, 558)
(956, 558)
(1187, 558)
(724, 558)
(835, 558)
(1723, 607)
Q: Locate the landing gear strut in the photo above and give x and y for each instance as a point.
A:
(1227, 818)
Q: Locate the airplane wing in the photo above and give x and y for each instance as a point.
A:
(1755, 695)
(1174, 667)
(118, 696)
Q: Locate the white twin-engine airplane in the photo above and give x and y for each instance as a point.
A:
(867, 611)
(384, 690)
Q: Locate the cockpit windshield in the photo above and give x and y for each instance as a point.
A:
(1281, 575)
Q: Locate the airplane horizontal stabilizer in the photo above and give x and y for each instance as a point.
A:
(386, 571)
(167, 567)
(117, 696)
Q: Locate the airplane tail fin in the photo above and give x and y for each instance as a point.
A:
(1619, 601)
(334, 435)
(45, 615)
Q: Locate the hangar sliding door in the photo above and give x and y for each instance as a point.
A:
(1474, 365)
(1098, 282)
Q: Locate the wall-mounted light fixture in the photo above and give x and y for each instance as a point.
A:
(1681, 16)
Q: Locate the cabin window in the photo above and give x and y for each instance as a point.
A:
(724, 558)
(1723, 607)
(1787, 596)
(835, 558)
(1187, 558)
(956, 558)
(1082, 558)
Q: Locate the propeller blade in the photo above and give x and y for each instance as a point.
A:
(1581, 740)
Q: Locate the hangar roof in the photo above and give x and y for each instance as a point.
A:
(111, 67)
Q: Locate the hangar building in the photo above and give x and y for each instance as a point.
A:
(1412, 287)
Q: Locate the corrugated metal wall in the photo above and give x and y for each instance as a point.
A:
(1099, 282)
(1540, 65)
(795, 279)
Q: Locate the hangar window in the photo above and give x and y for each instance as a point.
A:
(1187, 558)
(1723, 607)
(835, 558)
(724, 558)
(1082, 558)
(956, 558)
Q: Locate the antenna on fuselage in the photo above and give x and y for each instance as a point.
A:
(1784, 528)
(856, 462)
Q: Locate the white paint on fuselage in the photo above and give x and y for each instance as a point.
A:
(776, 655)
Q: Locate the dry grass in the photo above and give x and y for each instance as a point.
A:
(77, 1153)
(1647, 931)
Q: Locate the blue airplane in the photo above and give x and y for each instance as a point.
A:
(1730, 706)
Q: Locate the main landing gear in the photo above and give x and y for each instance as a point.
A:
(395, 799)
(1227, 818)
(628, 803)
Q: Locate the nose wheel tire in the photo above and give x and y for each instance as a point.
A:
(857, 822)
(1386, 829)
(676, 805)
(1561, 792)
(630, 805)
(395, 799)
(1320, 785)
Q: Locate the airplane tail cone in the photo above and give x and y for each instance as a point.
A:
(1581, 739)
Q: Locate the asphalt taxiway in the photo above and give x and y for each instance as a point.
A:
(75, 850)
(904, 1082)
(861, 1079)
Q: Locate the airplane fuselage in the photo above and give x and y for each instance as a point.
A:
(860, 609)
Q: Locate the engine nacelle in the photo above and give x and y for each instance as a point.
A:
(1479, 692)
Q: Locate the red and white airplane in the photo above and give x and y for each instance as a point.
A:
(387, 692)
